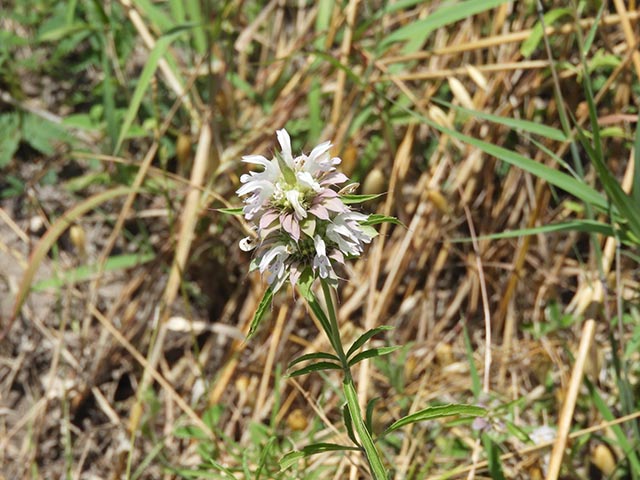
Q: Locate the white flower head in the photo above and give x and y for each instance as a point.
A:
(300, 220)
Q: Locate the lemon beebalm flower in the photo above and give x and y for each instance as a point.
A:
(300, 218)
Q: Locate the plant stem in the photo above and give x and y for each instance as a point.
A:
(350, 392)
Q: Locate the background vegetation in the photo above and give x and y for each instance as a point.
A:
(124, 297)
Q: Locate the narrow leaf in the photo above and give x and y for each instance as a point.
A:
(362, 339)
(143, 83)
(587, 226)
(418, 31)
(368, 419)
(531, 43)
(265, 303)
(230, 211)
(292, 458)
(351, 198)
(314, 356)
(373, 352)
(513, 123)
(315, 367)
(376, 218)
(348, 423)
(493, 458)
(431, 413)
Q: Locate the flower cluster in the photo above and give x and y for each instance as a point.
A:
(300, 220)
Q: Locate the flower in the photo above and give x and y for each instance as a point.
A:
(300, 220)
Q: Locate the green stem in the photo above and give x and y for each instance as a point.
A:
(350, 393)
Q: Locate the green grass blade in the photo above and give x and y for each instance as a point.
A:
(513, 123)
(143, 83)
(635, 190)
(417, 32)
(531, 43)
(86, 272)
(587, 226)
(53, 233)
(195, 15)
(493, 458)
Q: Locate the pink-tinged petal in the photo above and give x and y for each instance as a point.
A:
(295, 273)
(291, 226)
(320, 211)
(268, 218)
(337, 256)
(335, 205)
(325, 194)
(334, 178)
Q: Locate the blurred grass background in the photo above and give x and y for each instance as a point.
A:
(124, 297)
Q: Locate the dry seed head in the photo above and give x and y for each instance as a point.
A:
(297, 420)
(439, 201)
(603, 459)
(183, 151)
(79, 239)
(374, 183)
(461, 93)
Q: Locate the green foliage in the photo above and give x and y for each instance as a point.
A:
(439, 411)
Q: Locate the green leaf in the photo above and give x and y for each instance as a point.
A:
(362, 339)
(315, 367)
(635, 191)
(594, 28)
(561, 180)
(348, 423)
(376, 218)
(375, 462)
(587, 226)
(513, 123)
(265, 303)
(43, 135)
(292, 458)
(531, 43)
(86, 272)
(368, 419)
(372, 352)
(230, 211)
(418, 31)
(313, 356)
(351, 199)
(431, 413)
(10, 137)
(493, 458)
(305, 282)
(143, 83)
(476, 387)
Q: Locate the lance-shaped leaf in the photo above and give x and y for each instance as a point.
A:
(372, 352)
(230, 211)
(350, 199)
(315, 367)
(292, 458)
(431, 413)
(376, 218)
(314, 356)
(362, 339)
(265, 303)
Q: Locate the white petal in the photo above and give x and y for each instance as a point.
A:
(285, 145)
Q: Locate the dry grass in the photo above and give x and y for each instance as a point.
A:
(98, 373)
